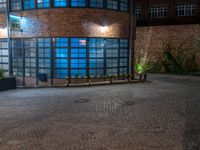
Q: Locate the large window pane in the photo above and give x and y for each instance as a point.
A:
(78, 57)
(123, 5)
(4, 56)
(16, 5)
(30, 57)
(2, 6)
(112, 4)
(96, 3)
(29, 4)
(78, 3)
(44, 55)
(43, 3)
(60, 3)
(96, 56)
(18, 57)
(60, 57)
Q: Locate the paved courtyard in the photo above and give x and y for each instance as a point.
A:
(161, 115)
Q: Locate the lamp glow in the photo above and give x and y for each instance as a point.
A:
(103, 29)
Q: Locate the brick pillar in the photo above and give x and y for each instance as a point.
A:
(171, 8)
(144, 14)
(198, 9)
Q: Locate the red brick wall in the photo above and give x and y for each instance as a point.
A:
(3, 29)
(73, 22)
(150, 39)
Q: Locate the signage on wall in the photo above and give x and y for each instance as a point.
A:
(15, 23)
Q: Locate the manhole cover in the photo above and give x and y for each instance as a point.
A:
(82, 100)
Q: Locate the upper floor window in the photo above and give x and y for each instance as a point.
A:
(78, 3)
(29, 4)
(60, 3)
(123, 5)
(96, 3)
(138, 13)
(157, 12)
(43, 3)
(112, 4)
(183, 9)
(2, 6)
(16, 5)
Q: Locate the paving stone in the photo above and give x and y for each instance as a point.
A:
(161, 115)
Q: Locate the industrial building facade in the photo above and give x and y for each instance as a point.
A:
(65, 38)
(77, 38)
(161, 21)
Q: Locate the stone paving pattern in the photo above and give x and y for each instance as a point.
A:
(161, 115)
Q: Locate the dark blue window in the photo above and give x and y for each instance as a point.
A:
(78, 57)
(123, 5)
(96, 3)
(78, 3)
(123, 55)
(61, 57)
(29, 4)
(43, 3)
(112, 4)
(60, 3)
(96, 56)
(44, 55)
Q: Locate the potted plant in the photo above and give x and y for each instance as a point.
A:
(6, 83)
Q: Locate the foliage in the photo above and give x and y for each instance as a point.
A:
(175, 58)
(197, 42)
(1, 74)
(142, 65)
(180, 60)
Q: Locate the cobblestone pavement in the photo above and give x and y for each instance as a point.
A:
(161, 115)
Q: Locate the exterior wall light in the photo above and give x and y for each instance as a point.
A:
(103, 29)
(15, 23)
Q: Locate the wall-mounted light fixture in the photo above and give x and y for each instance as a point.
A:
(15, 23)
(103, 29)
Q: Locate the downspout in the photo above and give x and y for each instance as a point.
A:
(9, 38)
(131, 49)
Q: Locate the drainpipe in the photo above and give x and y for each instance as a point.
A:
(131, 49)
(9, 41)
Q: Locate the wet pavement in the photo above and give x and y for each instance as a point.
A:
(161, 115)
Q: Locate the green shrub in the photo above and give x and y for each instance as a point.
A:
(142, 64)
(180, 60)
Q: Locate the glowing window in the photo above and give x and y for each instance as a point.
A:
(61, 57)
(44, 55)
(78, 57)
(60, 3)
(78, 3)
(43, 3)
(29, 4)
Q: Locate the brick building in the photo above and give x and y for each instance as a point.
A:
(65, 38)
(76, 38)
(159, 21)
